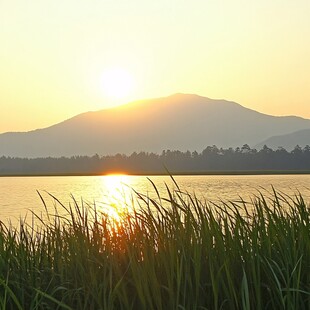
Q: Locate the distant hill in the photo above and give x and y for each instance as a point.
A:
(288, 141)
(178, 122)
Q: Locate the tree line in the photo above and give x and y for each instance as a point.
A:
(211, 160)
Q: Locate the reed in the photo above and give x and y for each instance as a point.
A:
(173, 252)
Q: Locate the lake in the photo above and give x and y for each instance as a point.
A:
(18, 195)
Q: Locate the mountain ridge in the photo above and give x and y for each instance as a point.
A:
(288, 141)
(179, 121)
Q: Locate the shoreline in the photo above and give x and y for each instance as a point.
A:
(173, 173)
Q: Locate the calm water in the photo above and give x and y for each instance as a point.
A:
(18, 194)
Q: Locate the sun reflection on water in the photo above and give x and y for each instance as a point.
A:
(118, 196)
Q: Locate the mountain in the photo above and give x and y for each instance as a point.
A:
(288, 141)
(178, 122)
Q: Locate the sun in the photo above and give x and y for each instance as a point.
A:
(117, 83)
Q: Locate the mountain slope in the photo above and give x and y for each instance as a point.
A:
(182, 122)
(288, 141)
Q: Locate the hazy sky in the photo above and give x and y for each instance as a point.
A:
(55, 55)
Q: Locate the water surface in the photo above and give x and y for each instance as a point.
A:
(18, 195)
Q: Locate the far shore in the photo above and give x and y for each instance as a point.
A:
(174, 173)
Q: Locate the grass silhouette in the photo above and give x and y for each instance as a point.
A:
(172, 252)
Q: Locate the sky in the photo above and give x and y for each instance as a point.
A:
(63, 57)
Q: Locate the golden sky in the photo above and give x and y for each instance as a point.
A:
(55, 56)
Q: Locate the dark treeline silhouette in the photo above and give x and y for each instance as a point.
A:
(211, 160)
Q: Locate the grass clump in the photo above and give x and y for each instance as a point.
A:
(174, 252)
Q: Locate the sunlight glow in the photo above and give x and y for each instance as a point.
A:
(118, 192)
(117, 83)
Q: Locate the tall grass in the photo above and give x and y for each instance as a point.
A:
(173, 252)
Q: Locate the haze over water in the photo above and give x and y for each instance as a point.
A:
(18, 194)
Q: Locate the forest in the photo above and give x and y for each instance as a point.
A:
(211, 160)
